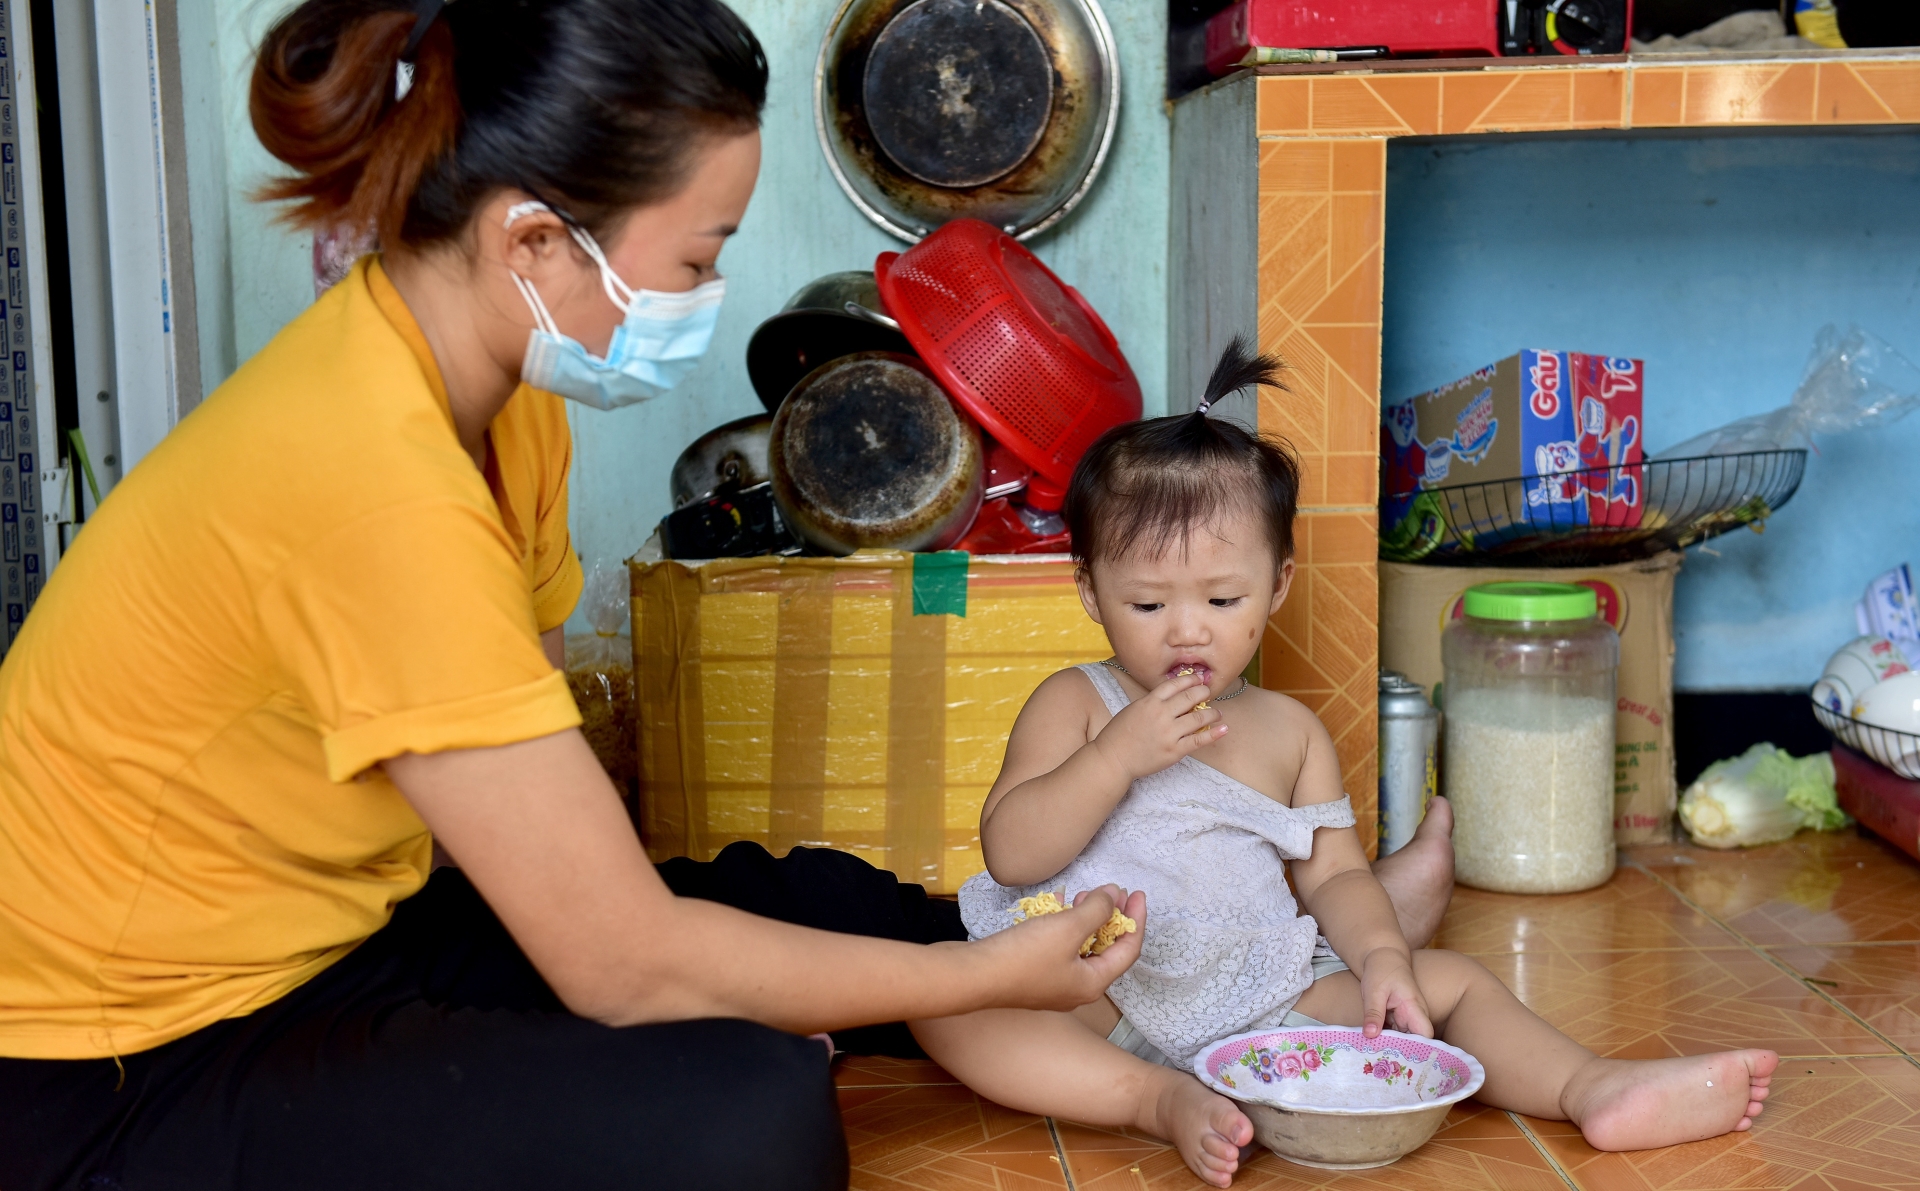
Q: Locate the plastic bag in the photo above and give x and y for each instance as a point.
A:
(1762, 796)
(600, 674)
(1852, 382)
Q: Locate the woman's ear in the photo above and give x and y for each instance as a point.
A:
(1282, 583)
(528, 241)
(1083, 579)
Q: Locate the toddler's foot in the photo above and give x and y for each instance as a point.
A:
(1207, 1127)
(1623, 1105)
(1419, 877)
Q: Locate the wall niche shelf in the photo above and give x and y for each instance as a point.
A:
(1278, 221)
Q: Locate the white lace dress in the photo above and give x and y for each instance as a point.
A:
(1227, 948)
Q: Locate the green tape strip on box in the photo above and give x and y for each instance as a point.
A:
(940, 583)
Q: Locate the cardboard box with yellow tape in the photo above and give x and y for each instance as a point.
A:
(1417, 602)
(859, 703)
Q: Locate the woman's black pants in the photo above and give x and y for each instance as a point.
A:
(434, 1056)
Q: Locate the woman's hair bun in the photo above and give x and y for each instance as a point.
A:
(325, 100)
(595, 106)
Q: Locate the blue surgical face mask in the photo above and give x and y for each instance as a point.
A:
(660, 341)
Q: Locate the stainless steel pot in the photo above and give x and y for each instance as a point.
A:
(815, 327)
(1002, 110)
(732, 455)
(868, 451)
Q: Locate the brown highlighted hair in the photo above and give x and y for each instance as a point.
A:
(594, 106)
(1147, 486)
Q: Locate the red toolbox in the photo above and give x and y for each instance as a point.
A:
(1415, 28)
(1883, 801)
(1437, 28)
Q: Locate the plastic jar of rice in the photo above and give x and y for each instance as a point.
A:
(1529, 712)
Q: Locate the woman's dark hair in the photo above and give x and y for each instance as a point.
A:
(1148, 485)
(594, 106)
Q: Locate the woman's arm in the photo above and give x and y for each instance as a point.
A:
(1057, 787)
(1337, 886)
(542, 834)
(553, 643)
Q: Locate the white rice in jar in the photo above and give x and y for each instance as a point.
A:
(1531, 781)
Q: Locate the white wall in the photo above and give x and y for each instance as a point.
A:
(255, 276)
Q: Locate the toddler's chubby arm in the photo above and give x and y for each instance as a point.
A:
(1338, 888)
(1063, 777)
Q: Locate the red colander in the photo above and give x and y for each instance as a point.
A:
(1017, 347)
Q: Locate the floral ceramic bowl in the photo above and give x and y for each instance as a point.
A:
(1331, 1097)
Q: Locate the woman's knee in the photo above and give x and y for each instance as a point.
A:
(727, 1104)
(788, 1107)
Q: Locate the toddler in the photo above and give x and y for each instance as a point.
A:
(1163, 772)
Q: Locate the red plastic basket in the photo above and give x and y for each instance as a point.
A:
(1019, 348)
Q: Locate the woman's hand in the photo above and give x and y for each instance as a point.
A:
(1038, 962)
(1390, 996)
(1159, 728)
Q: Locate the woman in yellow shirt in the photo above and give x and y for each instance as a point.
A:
(318, 629)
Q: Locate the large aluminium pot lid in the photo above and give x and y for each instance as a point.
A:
(999, 110)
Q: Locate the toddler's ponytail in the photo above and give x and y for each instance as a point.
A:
(325, 100)
(1149, 485)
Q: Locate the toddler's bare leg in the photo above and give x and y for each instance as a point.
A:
(1053, 1064)
(1535, 1069)
(1419, 877)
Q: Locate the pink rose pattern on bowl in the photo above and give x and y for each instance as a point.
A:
(1349, 1072)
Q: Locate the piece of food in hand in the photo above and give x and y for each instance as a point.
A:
(1205, 676)
(1117, 924)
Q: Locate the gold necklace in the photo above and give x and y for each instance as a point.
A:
(1114, 664)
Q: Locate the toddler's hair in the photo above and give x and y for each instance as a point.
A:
(1148, 485)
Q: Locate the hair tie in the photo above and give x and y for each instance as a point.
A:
(425, 13)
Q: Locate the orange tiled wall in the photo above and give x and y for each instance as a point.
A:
(1322, 211)
(1322, 141)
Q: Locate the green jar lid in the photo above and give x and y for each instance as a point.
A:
(1531, 601)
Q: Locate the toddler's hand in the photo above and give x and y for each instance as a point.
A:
(1390, 997)
(1153, 732)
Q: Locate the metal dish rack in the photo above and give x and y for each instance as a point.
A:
(1543, 520)
(1898, 751)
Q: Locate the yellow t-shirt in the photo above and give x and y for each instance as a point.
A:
(306, 577)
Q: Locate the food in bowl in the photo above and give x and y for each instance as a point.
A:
(1330, 1097)
(1117, 924)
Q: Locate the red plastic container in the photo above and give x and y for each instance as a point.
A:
(1021, 350)
(1884, 802)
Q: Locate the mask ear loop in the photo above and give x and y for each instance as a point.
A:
(618, 291)
(541, 317)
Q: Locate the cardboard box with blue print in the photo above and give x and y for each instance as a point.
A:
(860, 703)
(1539, 440)
(1636, 598)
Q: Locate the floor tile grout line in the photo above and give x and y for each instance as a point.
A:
(1060, 1154)
(1539, 1146)
(1849, 943)
(1781, 965)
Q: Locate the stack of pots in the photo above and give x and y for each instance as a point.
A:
(942, 399)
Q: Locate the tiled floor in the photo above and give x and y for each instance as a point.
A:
(1811, 947)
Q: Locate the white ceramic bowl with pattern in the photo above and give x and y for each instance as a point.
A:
(1329, 1096)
